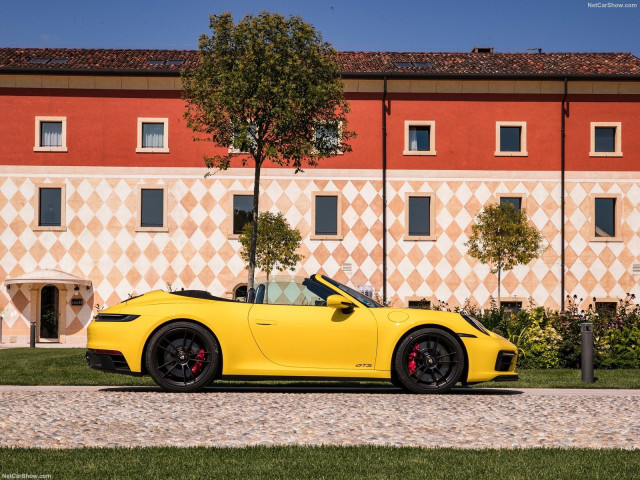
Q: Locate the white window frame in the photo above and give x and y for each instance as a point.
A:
(63, 207)
(417, 298)
(338, 150)
(617, 222)
(165, 136)
(338, 235)
(432, 137)
(233, 193)
(37, 147)
(432, 217)
(519, 300)
(236, 151)
(165, 213)
(521, 196)
(618, 139)
(523, 139)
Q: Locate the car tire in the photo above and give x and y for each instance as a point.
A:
(429, 360)
(183, 357)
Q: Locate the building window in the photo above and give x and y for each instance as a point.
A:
(153, 135)
(51, 134)
(515, 201)
(240, 293)
(244, 147)
(242, 212)
(511, 139)
(50, 207)
(606, 218)
(419, 217)
(50, 214)
(606, 139)
(511, 306)
(327, 216)
(419, 137)
(423, 303)
(606, 307)
(329, 137)
(152, 209)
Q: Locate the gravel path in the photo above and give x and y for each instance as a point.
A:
(59, 417)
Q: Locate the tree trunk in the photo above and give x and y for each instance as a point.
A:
(499, 272)
(254, 233)
(266, 290)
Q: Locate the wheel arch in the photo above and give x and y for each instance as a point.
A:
(465, 370)
(143, 364)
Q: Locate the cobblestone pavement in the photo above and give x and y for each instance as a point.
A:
(61, 417)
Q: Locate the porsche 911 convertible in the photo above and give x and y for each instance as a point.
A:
(305, 327)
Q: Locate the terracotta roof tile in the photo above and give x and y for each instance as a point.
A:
(353, 63)
(492, 63)
(96, 59)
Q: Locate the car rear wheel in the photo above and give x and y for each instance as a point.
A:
(183, 357)
(429, 360)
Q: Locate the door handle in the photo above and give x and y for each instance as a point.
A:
(265, 323)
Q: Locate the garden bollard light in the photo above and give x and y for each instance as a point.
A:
(33, 335)
(587, 352)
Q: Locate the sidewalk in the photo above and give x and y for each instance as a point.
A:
(71, 417)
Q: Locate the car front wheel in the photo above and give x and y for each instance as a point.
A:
(183, 357)
(429, 360)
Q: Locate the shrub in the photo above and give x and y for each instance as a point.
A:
(621, 348)
(540, 342)
(552, 339)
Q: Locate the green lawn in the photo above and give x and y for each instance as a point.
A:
(568, 378)
(321, 462)
(66, 366)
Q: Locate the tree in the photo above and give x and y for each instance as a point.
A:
(270, 87)
(276, 244)
(503, 238)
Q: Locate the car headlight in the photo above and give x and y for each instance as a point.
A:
(115, 317)
(475, 324)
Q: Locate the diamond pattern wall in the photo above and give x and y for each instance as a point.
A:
(101, 242)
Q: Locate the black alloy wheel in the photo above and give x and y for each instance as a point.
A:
(429, 360)
(183, 357)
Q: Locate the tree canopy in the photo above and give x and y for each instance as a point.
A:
(503, 238)
(276, 243)
(268, 86)
(267, 89)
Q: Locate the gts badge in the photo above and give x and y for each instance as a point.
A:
(364, 365)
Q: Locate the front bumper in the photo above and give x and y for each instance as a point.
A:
(491, 358)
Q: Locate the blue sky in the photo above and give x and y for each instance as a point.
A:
(425, 25)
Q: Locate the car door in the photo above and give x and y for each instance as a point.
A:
(315, 336)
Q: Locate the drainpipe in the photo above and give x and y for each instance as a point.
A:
(384, 191)
(565, 113)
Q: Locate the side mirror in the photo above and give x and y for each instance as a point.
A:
(338, 301)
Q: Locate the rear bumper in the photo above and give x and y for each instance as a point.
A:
(108, 361)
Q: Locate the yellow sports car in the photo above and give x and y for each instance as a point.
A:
(303, 327)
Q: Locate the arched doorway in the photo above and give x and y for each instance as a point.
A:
(240, 293)
(49, 312)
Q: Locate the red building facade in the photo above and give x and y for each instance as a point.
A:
(436, 136)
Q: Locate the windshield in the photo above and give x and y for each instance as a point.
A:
(354, 293)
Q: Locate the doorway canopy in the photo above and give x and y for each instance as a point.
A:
(47, 276)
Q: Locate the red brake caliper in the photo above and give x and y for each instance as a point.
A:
(198, 366)
(412, 359)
